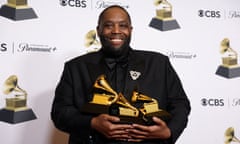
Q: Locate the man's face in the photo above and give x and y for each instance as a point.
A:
(115, 30)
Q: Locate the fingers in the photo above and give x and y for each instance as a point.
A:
(121, 134)
(113, 119)
(130, 140)
(139, 128)
(110, 127)
(135, 140)
(158, 121)
(127, 136)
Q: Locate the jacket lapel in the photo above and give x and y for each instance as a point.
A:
(96, 67)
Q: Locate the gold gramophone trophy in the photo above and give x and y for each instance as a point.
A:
(106, 100)
(17, 10)
(163, 20)
(229, 67)
(230, 136)
(16, 109)
(149, 108)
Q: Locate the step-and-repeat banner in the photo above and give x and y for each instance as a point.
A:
(201, 38)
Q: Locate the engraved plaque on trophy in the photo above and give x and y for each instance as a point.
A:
(16, 109)
(229, 67)
(163, 20)
(106, 100)
(17, 10)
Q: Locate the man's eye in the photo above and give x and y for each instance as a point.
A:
(124, 25)
(108, 25)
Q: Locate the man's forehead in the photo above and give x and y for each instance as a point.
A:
(115, 14)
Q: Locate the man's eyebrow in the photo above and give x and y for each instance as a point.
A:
(122, 21)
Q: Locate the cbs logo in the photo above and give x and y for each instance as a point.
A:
(209, 13)
(212, 102)
(74, 3)
(3, 47)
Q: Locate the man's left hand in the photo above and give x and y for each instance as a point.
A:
(158, 131)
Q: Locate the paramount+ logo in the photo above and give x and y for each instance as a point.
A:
(74, 3)
(212, 102)
(209, 13)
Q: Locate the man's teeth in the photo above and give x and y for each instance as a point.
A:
(116, 40)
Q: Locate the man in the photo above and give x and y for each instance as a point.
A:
(126, 70)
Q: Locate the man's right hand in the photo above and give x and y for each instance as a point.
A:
(106, 124)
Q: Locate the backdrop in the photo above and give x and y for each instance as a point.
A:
(35, 45)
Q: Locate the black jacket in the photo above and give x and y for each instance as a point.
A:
(158, 80)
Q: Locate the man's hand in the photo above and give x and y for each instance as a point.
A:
(104, 124)
(158, 131)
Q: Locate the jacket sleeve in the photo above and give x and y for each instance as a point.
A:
(178, 103)
(65, 112)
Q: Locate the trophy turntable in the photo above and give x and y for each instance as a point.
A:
(106, 100)
(16, 109)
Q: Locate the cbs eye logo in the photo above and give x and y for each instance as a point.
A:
(209, 13)
(63, 2)
(212, 102)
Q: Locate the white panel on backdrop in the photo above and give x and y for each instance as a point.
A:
(36, 49)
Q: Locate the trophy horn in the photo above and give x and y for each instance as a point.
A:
(157, 2)
(140, 97)
(149, 105)
(230, 137)
(102, 84)
(225, 46)
(11, 85)
(91, 38)
(124, 102)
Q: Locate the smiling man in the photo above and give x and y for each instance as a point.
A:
(114, 30)
(126, 70)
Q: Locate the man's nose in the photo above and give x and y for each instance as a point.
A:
(116, 29)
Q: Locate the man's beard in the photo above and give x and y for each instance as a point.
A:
(111, 51)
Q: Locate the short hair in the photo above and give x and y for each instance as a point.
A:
(113, 6)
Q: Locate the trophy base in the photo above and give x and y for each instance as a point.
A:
(113, 110)
(164, 25)
(13, 117)
(17, 14)
(145, 119)
(228, 72)
(163, 115)
(92, 108)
